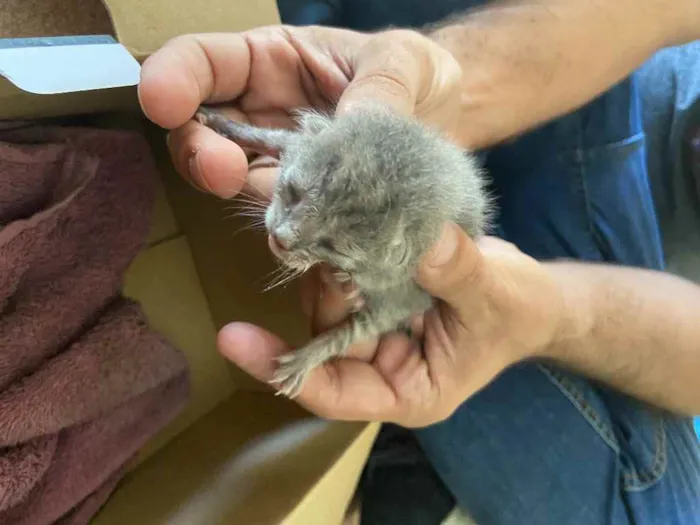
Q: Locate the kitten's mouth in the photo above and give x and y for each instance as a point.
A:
(277, 247)
(289, 256)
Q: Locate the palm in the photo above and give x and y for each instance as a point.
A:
(262, 76)
(283, 79)
(379, 376)
(267, 73)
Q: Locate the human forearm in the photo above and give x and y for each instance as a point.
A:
(525, 62)
(636, 330)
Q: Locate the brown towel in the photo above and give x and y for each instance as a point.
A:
(84, 382)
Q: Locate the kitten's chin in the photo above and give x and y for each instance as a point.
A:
(274, 249)
(294, 259)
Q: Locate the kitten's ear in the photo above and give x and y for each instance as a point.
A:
(264, 141)
(311, 121)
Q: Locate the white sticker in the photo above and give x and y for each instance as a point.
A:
(49, 70)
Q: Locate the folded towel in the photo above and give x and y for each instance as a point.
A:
(84, 382)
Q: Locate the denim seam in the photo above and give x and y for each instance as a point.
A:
(586, 200)
(632, 479)
(574, 394)
(581, 154)
(635, 481)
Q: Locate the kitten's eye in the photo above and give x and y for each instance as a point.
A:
(293, 196)
(326, 244)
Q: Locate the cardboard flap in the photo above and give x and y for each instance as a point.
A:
(57, 57)
(42, 18)
(143, 27)
(253, 460)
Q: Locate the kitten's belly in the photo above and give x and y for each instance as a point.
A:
(407, 298)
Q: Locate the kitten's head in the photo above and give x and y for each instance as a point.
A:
(366, 192)
(337, 201)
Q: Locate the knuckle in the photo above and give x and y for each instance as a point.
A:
(402, 35)
(398, 47)
(179, 41)
(395, 45)
(388, 80)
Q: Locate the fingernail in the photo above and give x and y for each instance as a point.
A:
(445, 248)
(195, 168)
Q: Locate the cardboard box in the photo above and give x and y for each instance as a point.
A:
(238, 454)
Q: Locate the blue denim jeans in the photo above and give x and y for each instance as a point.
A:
(541, 446)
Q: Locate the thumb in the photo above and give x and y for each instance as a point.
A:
(386, 73)
(452, 267)
(251, 348)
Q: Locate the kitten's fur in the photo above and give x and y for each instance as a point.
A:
(367, 192)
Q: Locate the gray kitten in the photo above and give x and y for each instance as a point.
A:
(368, 193)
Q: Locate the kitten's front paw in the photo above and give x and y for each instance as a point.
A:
(356, 300)
(292, 370)
(342, 277)
(353, 296)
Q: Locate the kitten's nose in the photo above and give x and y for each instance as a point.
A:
(276, 243)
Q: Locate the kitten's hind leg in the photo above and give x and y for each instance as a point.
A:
(354, 297)
(294, 367)
(380, 318)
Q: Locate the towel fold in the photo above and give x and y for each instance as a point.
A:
(84, 381)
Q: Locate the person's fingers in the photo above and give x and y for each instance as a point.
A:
(251, 348)
(453, 267)
(417, 324)
(386, 71)
(332, 308)
(401, 362)
(218, 165)
(345, 389)
(351, 390)
(190, 70)
(209, 161)
(309, 292)
(395, 350)
(333, 305)
(261, 180)
(356, 389)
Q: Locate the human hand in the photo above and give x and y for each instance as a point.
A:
(496, 307)
(266, 73)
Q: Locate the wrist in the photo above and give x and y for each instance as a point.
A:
(484, 82)
(575, 320)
